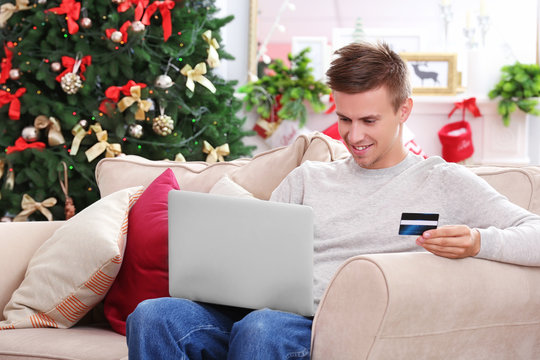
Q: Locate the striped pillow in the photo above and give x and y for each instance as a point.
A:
(73, 270)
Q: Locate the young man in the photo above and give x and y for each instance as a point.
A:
(358, 204)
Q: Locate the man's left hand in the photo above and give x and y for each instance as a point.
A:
(452, 241)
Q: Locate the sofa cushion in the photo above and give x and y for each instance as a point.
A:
(22, 239)
(71, 272)
(505, 180)
(259, 175)
(145, 272)
(79, 342)
(225, 186)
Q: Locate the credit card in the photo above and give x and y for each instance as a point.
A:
(417, 223)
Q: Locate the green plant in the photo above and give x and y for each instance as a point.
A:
(519, 87)
(286, 89)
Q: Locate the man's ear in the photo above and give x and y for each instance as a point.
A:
(405, 110)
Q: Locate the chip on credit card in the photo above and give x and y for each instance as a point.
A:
(417, 223)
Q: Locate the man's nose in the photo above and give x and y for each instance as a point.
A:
(356, 132)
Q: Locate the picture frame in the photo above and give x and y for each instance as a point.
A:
(432, 73)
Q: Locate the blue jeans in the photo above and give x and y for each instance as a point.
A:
(172, 328)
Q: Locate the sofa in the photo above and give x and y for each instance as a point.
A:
(380, 306)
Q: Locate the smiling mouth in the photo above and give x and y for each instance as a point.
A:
(360, 148)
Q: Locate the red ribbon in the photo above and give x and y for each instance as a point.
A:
(140, 5)
(21, 144)
(72, 10)
(69, 63)
(6, 64)
(12, 99)
(113, 94)
(123, 30)
(165, 8)
(467, 104)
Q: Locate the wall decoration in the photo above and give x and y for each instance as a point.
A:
(432, 73)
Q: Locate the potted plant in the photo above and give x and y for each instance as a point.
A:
(282, 93)
(518, 87)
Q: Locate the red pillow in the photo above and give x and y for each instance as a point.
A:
(145, 270)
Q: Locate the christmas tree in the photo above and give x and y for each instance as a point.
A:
(81, 80)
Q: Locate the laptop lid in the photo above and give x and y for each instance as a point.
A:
(241, 252)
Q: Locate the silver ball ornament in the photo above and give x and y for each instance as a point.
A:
(56, 66)
(163, 125)
(6, 219)
(30, 133)
(83, 123)
(137, 26)
(116, 37)
(86, 23)
(136, 131)
(42, 2)
(14, 74)
(164, 82)
(71, 83)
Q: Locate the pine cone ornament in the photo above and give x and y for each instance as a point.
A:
(163, 125)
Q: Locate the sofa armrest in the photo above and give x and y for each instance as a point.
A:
(418, 305)
(18, 242)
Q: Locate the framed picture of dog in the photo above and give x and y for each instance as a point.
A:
(432, 73)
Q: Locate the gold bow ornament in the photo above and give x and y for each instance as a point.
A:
(7, 10)
(78, 133)
(217, 154)
(197, 75)
(213, 45)
(55, 132)
(29, 206)
(180, 158)
(111, 150)
(143, 105)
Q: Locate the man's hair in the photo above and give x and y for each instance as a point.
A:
(363, 66)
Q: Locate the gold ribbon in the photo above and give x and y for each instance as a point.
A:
(79, 133)
(2, 165)
(268, 127)
(29, 206)
(197, 75)
(55, 132)
(127, 101)
(7, 10)
(213, 56)
(216, 154)
(180, 158)
(111, 150)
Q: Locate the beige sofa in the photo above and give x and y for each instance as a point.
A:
(386, 306)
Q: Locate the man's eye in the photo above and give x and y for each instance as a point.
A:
(343, 119)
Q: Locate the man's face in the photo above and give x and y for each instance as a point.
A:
(370, 127)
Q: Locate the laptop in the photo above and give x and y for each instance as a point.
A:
(241, 252)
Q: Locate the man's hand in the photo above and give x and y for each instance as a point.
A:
(452, 241)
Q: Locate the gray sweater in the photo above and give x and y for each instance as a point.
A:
(358, 211)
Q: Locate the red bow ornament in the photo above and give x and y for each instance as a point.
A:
(165, 8)
(123, 30)
(6, 63)
(467, 104)
(140, 5)
(69, 64)
(21, 145)
(113, 94)
(332, 107)
(12, 99)
(72, 10)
